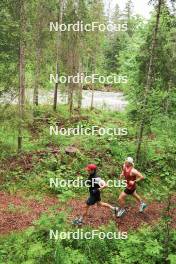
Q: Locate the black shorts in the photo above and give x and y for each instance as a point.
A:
(93, 198)
(127, 191)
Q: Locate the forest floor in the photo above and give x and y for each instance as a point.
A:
(17, 213)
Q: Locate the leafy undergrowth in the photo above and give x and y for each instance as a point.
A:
(29, 207)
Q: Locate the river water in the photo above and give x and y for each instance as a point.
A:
(114, 101)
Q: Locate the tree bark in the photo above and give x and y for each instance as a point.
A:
(37, 77)
(80, 88)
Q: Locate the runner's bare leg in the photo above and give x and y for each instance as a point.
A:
(121, 199)
(137, 197)
(85, 212)
(105, 205)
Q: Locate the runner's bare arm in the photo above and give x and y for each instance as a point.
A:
(121, 175)
(139, 176)
(102, 184)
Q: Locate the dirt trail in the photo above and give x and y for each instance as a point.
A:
(17, 213)
(133, 219)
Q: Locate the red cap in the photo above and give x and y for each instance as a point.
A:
(91, 167)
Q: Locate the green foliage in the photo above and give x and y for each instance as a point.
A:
(126, 53)
(34, 246)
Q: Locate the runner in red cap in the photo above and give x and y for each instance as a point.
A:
(96, 184)
(91, 167)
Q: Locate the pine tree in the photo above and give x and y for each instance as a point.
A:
(149, 78)
(21, 72)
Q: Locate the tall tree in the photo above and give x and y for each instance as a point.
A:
(21, 72)
(38, 52)
(96, 45)
(9, 47)
(58, 47)
(128, 16)
(149, 78)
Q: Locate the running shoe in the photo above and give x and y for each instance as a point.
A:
(121, 212)
(115, 210)
(142, 207)
(77, 222)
